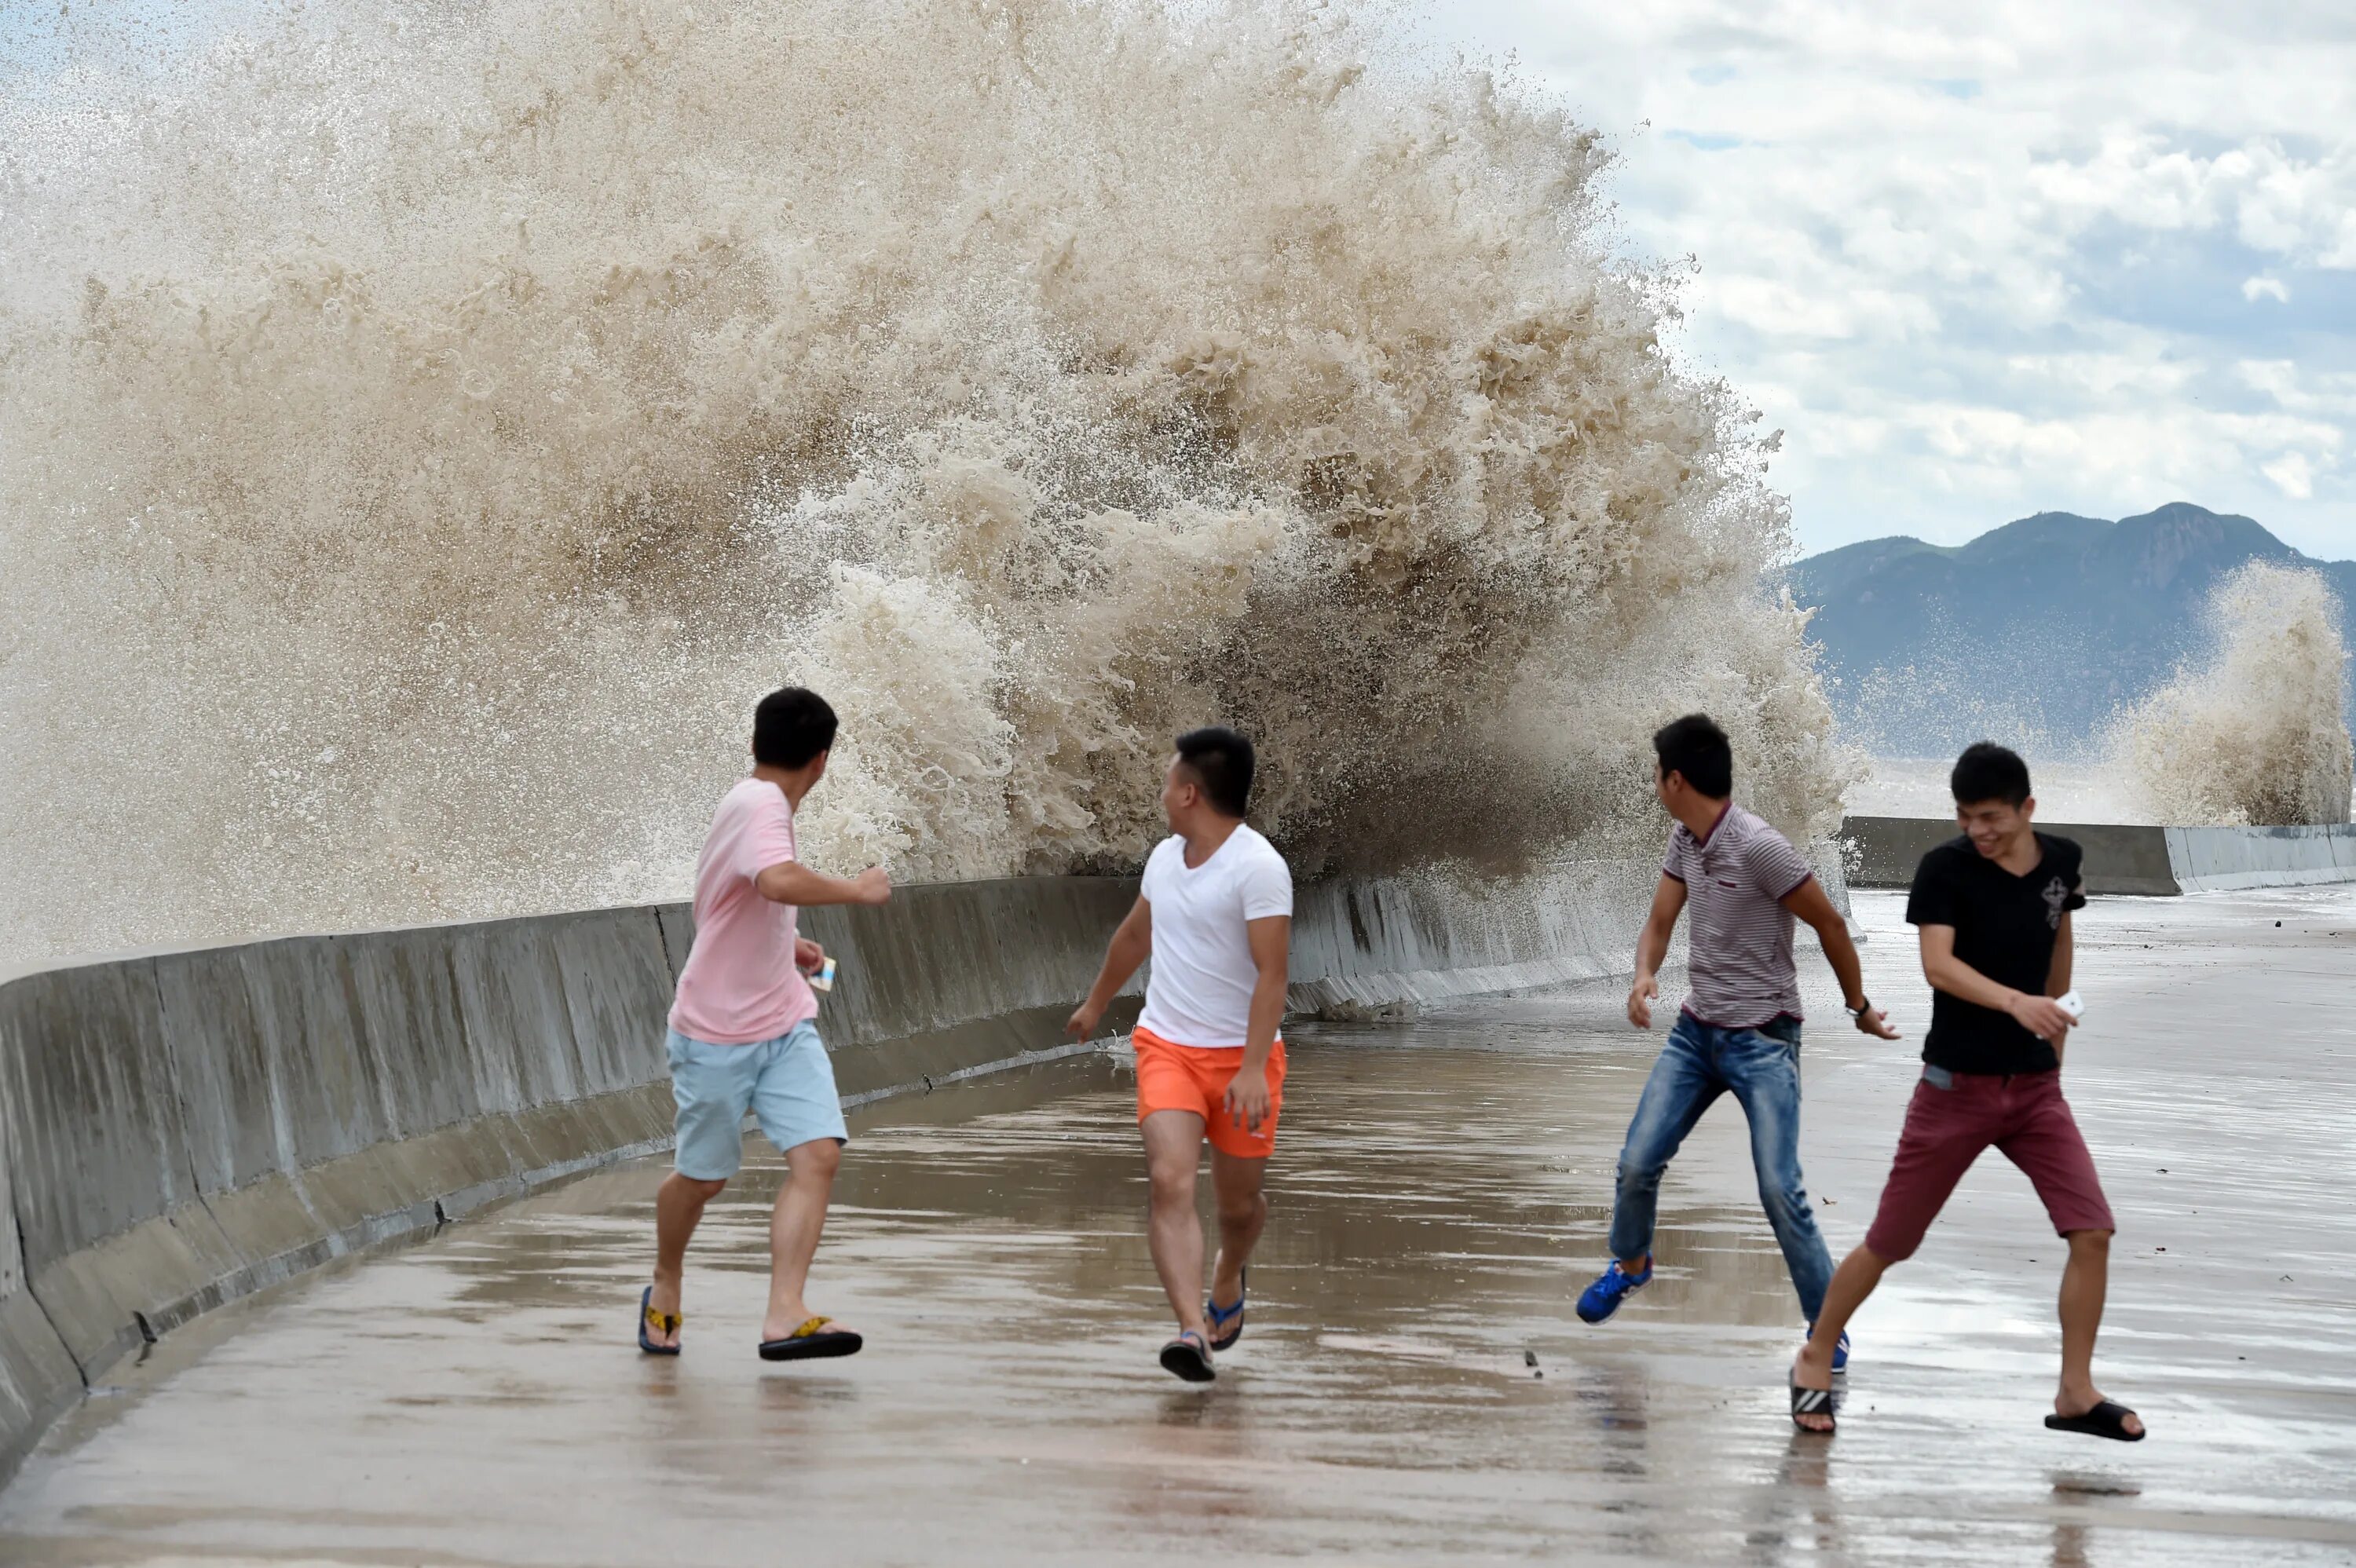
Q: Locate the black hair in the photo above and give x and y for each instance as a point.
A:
(1696, 747)
(790, 727)
(1989, 772)
(1221, 762)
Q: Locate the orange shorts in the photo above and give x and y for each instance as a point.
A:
(1195, 1078)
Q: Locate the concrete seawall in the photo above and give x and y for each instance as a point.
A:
(179, 1129)
(2122, 858)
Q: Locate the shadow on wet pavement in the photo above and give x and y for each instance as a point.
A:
(1412, 1385)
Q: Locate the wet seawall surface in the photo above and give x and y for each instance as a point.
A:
(178, 1130)
(1440, 1190)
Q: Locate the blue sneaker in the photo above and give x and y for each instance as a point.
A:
(1840, 1349)
(1612, 1287)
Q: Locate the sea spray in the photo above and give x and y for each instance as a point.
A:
(427, 427)
(2258, 733)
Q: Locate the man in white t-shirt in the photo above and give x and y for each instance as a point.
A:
(1214, 913)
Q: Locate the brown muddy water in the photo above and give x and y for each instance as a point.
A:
(1442, 1190)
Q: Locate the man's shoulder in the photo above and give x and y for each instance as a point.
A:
(1255, 845)
(1949, 855)
(2057, 847)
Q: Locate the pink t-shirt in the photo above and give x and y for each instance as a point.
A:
(740, 985)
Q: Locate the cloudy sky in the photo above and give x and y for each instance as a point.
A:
(1987, 259)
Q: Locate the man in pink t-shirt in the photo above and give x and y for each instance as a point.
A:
(743, 1037)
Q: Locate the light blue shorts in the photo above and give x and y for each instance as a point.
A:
(787, 1082)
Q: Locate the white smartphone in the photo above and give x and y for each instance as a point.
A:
(823, 980)
(2072, 1002)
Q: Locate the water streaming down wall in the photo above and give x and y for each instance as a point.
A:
(429, 425)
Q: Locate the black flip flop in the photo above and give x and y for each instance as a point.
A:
(812, 1341)
(2105, 1420)
(1219, 1319)
(667, 1322)
(1811, 1402)
(1184, 1357)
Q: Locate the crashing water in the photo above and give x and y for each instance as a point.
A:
(428, 427)
(2258, 734)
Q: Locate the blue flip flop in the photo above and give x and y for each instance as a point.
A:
(1219, 1319)
(667, 1322)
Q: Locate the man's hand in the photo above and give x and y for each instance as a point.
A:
(1084, 1017)
(1876, 1022)
(1640, 1000)
(874, 885)
(2041, 1016)
(809, 956)
(1247, 1100)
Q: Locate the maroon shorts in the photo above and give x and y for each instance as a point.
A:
(2021, 1114)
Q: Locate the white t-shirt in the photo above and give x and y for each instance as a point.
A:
(1199, 991)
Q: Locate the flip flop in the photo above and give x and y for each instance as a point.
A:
(667, 1322)
(1219, 1319)
(1185, 1357)
(816, 1338)
(2105, 1420)
(1811, 1402)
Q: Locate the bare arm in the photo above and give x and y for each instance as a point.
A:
(1950, 974)
(1652, 947)
(1809, 902)
(2057, 978)
(1131, 945)
(791, 882)
(1248, 1097)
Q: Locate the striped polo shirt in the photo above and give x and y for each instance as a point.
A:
(1740, 971)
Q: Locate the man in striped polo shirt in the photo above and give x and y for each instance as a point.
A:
(1739, 1032)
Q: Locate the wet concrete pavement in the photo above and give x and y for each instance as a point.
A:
(1442, 1190)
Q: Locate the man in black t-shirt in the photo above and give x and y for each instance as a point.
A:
(1993, 910)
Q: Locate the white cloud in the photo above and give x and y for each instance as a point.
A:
(1972, 257)
(2292, 475)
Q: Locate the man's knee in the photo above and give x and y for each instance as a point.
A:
(1169, 1183)
(817, 1160)
(2090, 1244)
(704, 1191)
(1238, 1209)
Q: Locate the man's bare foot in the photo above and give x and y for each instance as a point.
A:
(664, 1299)
(2068, 1406)
(781, 1325)
(1812, 1375)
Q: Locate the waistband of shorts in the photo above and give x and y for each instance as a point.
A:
(1140, 1034)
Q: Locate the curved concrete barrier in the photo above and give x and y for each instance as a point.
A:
(1882, 852)
(181, 1128)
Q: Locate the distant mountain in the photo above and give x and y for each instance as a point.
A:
(2038, 631)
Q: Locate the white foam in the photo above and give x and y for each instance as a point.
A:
(428, 428)
(2257, 735)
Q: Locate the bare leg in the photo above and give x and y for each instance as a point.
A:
(2086, 1279)
(1243, 1212)
(794, 1228)
(1852, 1283)
(1174, 1147)
(678, 1208)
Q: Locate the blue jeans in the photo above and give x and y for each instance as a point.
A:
(1762, 1068)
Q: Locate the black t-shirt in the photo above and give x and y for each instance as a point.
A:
(2005, 928)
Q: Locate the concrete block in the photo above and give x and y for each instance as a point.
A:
(229, 1102)
(406, 995)
(327, 1091)
(511, 994)
(617, 994)
(39, 1378)
(95, 1140)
